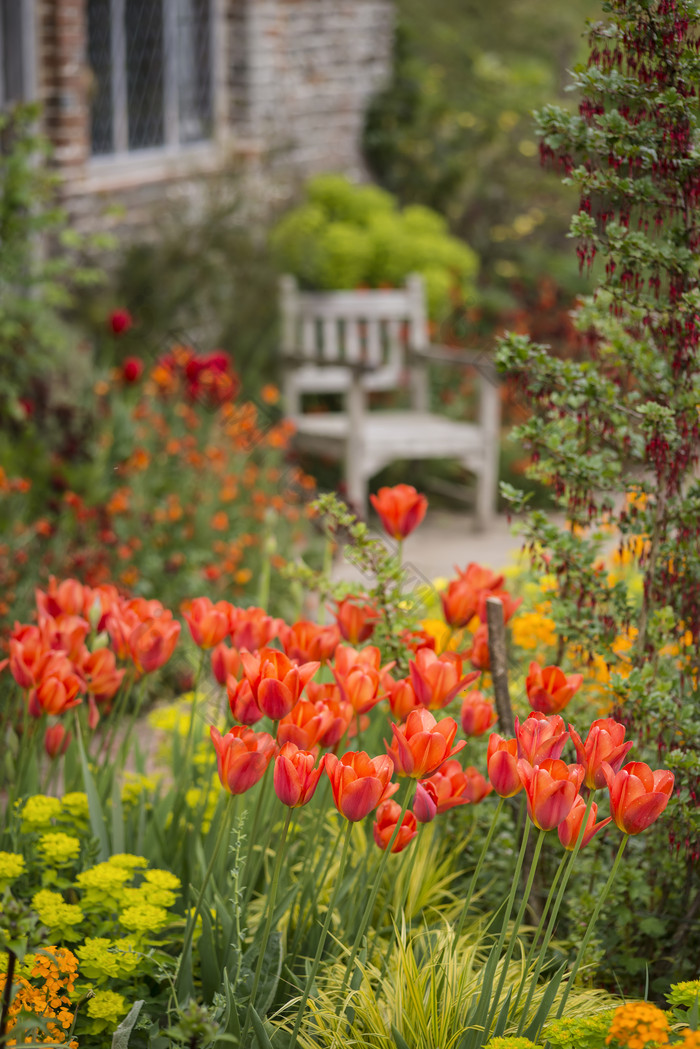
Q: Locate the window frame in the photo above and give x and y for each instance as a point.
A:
(153, 157)
(26, 30)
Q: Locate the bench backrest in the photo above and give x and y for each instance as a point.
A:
(325, 334)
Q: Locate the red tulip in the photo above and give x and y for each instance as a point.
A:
(477, 788)
(306, 641)
(449, 782)
(549, 689)
(153, 642)
(425, 801)
(437, 679)
(401, 509)
(304, 724)
(479, 653)
(385, 824)
(359, 687)
(479, 578)
(56, 741)
(295, 778)
(570, 829)
(477, 714)
(275, 681)
(550, 788)
(241, 757)
(356, 620)
(422, 744)
(208, 623)
(102, 678)
(359, 783)
(540, 737)
(69, 597)
(225, 663)
(605, 742)
(242, 701)
(132, 369)
(638, 796)
(502, 765)
(120, 321)
(402, 697)
(459, 603)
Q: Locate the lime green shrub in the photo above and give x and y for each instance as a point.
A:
(344, 235)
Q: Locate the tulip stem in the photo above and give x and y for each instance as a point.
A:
(519, 916)
(477, 869)
(591, 925)
(567, 869)
(271, 899)
(399, 911)
(250, 870)
(364, 921)
(313, 881)
(224, 827)
(324, 932)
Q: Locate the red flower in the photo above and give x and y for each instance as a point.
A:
(425, 801)
(570, 829)
(459, 603)
(276, 682)
(208, 623)
(295, 778)
(305, 724)
(604, 742)
(540, 737)
(549, 689)
(437, 679)
(359, 783)
(132, 369)
(477, 788)
(241, 757)
(449, 782)
(153, 642)
(477, 714)
(56, 741)
(242, 701)
(402, 697)
(385, 824)
(502, 765)
(306, 641)
(120, 321)
(225, 662)
(422, 744)
(479, 652)
(401, 509)
(638, 796)
(550, 789)
(360, 687)
(356, 620)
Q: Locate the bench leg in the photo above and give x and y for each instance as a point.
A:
(357, 487)
(486, 492)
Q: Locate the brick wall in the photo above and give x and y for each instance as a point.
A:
(295, 77)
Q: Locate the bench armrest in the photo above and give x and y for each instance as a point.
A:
(483, 362)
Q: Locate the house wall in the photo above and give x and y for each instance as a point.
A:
(293, 79)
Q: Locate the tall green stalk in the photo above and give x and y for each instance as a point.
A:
(477, 869)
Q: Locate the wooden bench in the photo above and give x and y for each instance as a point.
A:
(356, 343)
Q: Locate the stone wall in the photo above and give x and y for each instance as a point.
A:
(293, 81)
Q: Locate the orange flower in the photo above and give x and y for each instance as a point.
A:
(242, 757)
(208, 623)
(638, 796)
(605, 742)
(304, 724)
(449, 783)
(69, 596)
(423, 744)
(385, 824)
(276, 682)
(359, 783)
(401, 509)
(295, 778)
(153, 642)
(437, 679)
(356, 620)
(459, 603)
(502, 765)
(359, 687)
(479, 578)
(549, 689)
(56, 741)
(479, 652)
(477, 714)
(242, 701)
(225, 662)
(477, 787)
(305, 640)
(402, 697)
(551, 789)
(102, 678)
(540, 737)
(58, 689)
(570, 829)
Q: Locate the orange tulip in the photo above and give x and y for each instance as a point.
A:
(360, 687)
(241, 757)
(208, 623)
(550, 789)
(356, 620)
(422, 744)
(359, 783)
(502, 765)
(295, 778)
(450, 783)
(400, 509)
(479, 578)
(58, 689)
(225, 663)
(638, 796)
(549, 689)
(477, 714)
(570, 829)
(28, 653)
(540, 737)
(605, 742)
(477, 788)
(425, 801)
(153, 642)
(459, 603)
(437, 679)
(252, 628)
(342, 716)
(510, 604)
(345, 658)
(304, 724)
(402, 697)
(56, 741)
(242, 701)
(306, 641)
(99, 669)
(385, 824)
(275, 681)
(479, 653)
(69, 597)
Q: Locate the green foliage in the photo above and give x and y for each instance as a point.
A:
(579, 1032)
(346, 235)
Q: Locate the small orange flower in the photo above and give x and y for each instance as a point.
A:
(437, 679)
(638, 796)
(242, 757)
(551, 789)
(549, 689)
(385, 825)
(570, 829)
(477, 714)
(359, 783)
(295, 778)
(502, 765)
(356, 620)
(208, 623)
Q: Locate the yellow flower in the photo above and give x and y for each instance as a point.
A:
(103, 885)
(102, 959)
(143, 917)
(56, 914)
(75, 806)
(106, 1009)
(11, 867)
(57, 849)
(127, 861)
(39, 811)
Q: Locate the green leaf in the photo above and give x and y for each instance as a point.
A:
(260, 1032)
(97, 818)
(120, 1038)
(399, 1041)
